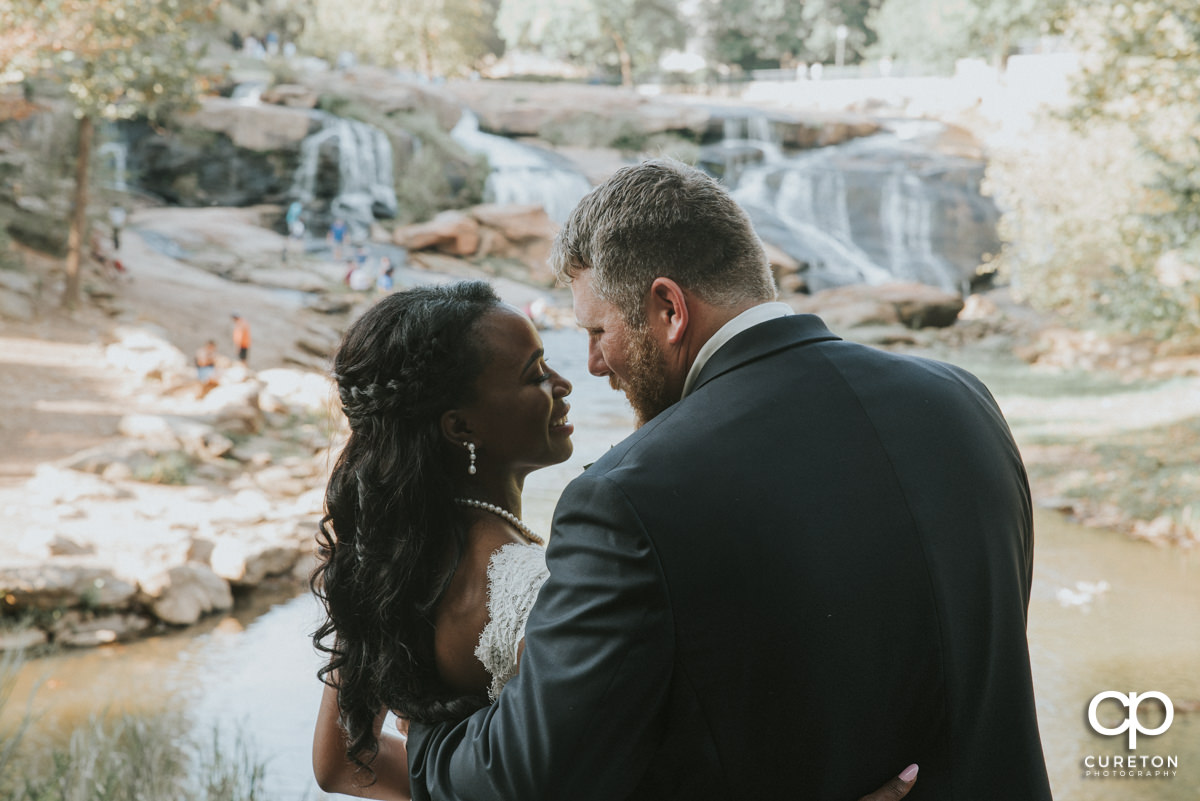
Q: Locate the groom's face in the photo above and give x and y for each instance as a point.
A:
(629, 356)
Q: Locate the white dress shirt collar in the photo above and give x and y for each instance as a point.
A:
(747, 319)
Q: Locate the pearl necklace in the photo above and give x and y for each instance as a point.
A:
(506, 515)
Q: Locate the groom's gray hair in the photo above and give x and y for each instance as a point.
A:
(662, 218)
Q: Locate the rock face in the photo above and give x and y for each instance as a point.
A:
(251, 127)
(599, 116)
(907, 304)
(159, 528)
(517, 233)
(185, 593)
(875, 210)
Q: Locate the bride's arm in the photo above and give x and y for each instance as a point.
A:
(335, 773)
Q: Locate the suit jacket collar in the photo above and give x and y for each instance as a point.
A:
(762, 340)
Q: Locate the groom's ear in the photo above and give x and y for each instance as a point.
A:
(455, 427)
(667, 310)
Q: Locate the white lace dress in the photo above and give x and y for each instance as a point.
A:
(515, 574)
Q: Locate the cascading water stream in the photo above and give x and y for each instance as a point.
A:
(884, 208)
(366, 184)
(523, 174)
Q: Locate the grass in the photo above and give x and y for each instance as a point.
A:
(168, 467)
(123, 757)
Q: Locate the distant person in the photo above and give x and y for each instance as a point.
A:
(241, 337)
(295, 209)
(337, 237)
(295, 228)
(206, 361)
(116, 218)
(386, 279)
(361, 279)
(350, 268)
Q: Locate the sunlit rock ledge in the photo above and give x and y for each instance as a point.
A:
(209, 493)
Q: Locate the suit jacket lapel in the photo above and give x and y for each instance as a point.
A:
(762, 340)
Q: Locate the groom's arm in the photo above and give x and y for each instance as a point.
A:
(582, 718)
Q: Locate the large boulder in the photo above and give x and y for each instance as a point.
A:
(246, 562)
(451, 232)
(63, 583)
(78, 630)
(185, 593)
(252, 127)
(147, 352)
(908, 304)
(298, 390)
(193, 437)
(574, 114)
(521, 232)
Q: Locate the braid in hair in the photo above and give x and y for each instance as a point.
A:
(392, 536)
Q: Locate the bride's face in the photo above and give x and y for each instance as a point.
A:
(519, 416)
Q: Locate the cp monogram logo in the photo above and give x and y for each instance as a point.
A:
(1131, 723)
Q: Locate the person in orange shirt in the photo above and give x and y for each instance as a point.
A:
(241, 337)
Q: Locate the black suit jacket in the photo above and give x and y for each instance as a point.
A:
(808, 573)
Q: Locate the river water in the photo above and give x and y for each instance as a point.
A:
(1107, 614)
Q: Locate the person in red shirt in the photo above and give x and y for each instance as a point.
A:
(241, 337)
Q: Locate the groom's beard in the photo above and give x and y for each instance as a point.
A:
(646, 388)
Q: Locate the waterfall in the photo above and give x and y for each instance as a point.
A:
(365, 178)
(523, 174)
(884, 208)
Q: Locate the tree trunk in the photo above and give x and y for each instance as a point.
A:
(78, 231)
(626, 61)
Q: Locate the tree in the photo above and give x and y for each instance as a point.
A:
(601, 33)
(435, 37)
(1114, 235)
(762, 33)
(1140, 68)
(118, 59)
(938, 32)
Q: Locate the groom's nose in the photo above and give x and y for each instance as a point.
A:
(597, 366)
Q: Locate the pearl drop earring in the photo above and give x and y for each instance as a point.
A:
(471, 467)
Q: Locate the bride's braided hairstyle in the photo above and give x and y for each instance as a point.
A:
(392, 536)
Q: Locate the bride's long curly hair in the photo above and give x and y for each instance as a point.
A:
(392, 535)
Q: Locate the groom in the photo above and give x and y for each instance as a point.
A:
(809, 566)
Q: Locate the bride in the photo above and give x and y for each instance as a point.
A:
(427, 572)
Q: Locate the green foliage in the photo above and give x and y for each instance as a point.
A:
(1102, 213)
(609, 35)
(436, 37)
(770, 33)
(117, 58)
(938, 32)
(1140, 68)
(1078, 243)
(168, 467)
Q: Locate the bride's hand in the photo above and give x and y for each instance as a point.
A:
(896, 788)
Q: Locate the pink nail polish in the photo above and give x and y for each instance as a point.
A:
(909, 773)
